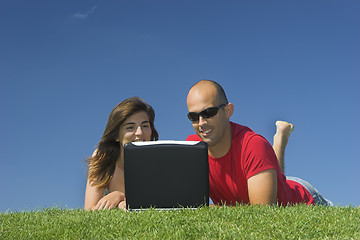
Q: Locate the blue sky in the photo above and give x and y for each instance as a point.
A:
(65, 64)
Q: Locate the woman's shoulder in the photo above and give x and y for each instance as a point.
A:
(94, 153)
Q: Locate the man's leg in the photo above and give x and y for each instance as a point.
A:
(281, 137)
(318, 198)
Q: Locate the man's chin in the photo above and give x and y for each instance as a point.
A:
(207, 140)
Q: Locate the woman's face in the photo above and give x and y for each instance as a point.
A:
(135, 128)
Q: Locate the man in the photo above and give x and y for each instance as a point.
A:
(243, 166)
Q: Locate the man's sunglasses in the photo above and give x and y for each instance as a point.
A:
(206, 113)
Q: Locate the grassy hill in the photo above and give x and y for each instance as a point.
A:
(241, 222)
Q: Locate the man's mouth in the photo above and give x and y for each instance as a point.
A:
(205, 132)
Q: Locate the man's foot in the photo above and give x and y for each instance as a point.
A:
(283, 132)
(281, 137)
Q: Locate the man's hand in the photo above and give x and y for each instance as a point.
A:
(262, 187)
(109, 201)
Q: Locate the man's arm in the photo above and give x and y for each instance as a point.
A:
(262, 187)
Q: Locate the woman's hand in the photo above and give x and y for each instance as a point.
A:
(110, 201)
(122, 205)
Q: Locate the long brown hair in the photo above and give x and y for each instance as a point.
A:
(102, 164)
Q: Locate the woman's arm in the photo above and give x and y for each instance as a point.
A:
(94, 196)
(95, 199)
(117, 184)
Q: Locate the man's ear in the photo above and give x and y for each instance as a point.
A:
(229, 110)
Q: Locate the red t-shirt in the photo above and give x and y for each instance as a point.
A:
(249, 154)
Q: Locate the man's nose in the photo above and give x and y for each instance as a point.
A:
(202, 120)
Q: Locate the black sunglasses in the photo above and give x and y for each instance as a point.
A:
(206, 113)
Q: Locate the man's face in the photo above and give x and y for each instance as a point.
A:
(210, 130)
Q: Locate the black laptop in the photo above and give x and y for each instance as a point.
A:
(166, 174)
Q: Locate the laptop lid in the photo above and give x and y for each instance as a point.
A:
(166, 174)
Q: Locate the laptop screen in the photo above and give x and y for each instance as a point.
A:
(166, 174)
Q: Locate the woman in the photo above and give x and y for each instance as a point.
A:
(131, 120)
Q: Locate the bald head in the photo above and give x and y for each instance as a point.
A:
(213, 128)
(208, 90)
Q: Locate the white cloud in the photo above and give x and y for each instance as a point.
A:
(85, 15)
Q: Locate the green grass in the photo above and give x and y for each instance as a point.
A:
(241, 222)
